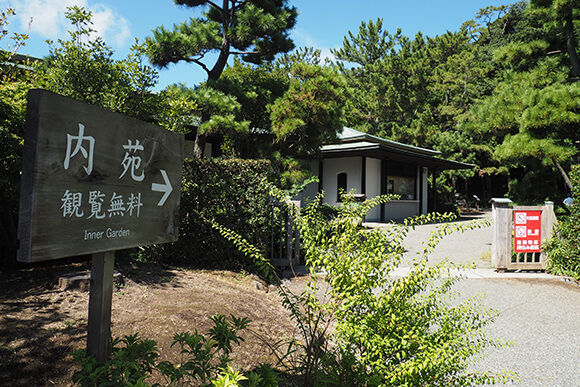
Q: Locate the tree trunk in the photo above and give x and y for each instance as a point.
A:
(199, 146)
(571, 43)
(564, 174)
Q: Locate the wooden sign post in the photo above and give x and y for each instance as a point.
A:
(94, 182)
(100, 305)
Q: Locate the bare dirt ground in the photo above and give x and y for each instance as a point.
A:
(40, 325)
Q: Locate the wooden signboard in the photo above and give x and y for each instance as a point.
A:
(94, 181)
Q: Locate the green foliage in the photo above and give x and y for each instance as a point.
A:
(18, 39)
(255, 88)
(311, 112)
(228, 192)
(362, 326)
(564, 248)
(256, 30)
(188, 106)
(203, 359)
(83, 68)
(14, 85)
(131, 361)
(293, 105)
(529, 120)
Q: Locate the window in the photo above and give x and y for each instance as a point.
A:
(340, 186)
(401, 180)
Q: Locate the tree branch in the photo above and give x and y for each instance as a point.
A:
(244, 52)
(198, 62)
(211, 3)
(564, 174)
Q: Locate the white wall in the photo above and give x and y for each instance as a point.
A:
(401, 209)
(352, 166)
(311, 189)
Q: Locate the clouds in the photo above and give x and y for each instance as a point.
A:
(49, 21)
(304, 39)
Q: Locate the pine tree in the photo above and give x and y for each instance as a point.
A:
(256, 30)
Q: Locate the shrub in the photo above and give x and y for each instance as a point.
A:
(361, 326)
(564, 248)
(230, 193)
(203, 360)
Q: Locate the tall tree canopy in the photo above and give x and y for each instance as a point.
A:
(294, 105)
(529, 121)
(256, 30)
(501, 92)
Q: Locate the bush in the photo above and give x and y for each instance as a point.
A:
(564, 248)
(230, 193)
(361, 326)
(203, 359)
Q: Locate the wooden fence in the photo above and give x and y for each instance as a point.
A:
(503, 254)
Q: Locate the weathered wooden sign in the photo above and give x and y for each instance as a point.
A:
(94, 181)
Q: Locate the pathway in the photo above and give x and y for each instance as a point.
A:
(539, 313)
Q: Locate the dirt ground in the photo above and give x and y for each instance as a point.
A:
(40, 325)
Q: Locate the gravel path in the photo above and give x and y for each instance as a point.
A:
(539, 313)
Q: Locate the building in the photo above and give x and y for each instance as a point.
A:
(373, 166)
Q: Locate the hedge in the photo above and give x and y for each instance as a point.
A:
(231, 192)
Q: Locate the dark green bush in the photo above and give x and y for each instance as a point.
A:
(233, 194)
(564, 249)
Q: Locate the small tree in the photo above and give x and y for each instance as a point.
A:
(372, 328)
(83, 68)
(18, 39)
(360, 325)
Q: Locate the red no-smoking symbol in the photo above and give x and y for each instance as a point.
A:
(521, 231)
(521, 218)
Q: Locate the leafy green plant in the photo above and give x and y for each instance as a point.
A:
(228, 192)
(564, 248)
(132, 360)
(360, 325)
(203, 359)
(83, 68)
(18, 39)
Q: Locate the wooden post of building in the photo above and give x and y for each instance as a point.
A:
(289, 231)
(100, 304)
(296, 204)
(501, 248)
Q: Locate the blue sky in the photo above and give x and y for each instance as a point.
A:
(321, 24)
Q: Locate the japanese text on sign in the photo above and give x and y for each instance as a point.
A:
(527, 231)
(72, 202)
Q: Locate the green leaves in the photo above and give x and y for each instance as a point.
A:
(205, 360)
(83, 68)
(311, 112)
(403, 331)
(256, 31)
(564, 248)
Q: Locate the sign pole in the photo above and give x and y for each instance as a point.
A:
(100, 304)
